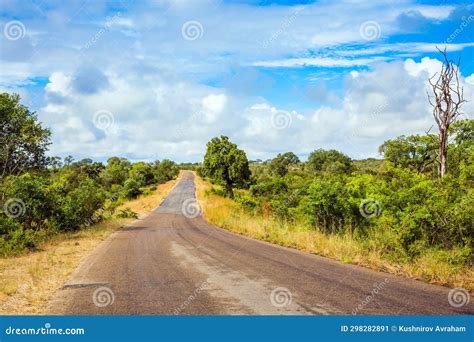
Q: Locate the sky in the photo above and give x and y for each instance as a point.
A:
(157, 79)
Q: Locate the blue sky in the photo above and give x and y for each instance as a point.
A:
(158, 79)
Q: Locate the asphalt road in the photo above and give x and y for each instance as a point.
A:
(168, 263)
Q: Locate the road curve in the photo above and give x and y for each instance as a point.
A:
(168, 263)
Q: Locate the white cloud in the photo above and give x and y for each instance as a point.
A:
(154, 82)
(319, 62)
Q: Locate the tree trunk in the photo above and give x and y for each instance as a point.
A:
(229, 190)
(443, 151)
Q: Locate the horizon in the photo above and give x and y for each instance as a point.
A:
(158, 80)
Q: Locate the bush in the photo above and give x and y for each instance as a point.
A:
(131, 188)
(127, 213)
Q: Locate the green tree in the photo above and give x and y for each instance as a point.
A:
(142, 173)
(329, 161)
(116, 171)
(166, 170)
(225, 163)
(461, 150)
(281, 163)
(131, 188)
(23, 141)
(415, 152)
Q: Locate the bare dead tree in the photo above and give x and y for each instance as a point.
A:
(446, 100)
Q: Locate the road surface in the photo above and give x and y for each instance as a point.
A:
(170, 263)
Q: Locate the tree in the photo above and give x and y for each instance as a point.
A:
(142, 173)
(225, 163)
(330, 160)
(23, 141)
(461, 147)
(131, 188)
(281, 163)
(166, 170)
(416, 152)
(116, 171)
(447, 100)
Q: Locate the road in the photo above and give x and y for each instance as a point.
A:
(168, 263)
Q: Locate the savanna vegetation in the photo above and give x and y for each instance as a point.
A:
(411, 212)
(42, 196)
(394, 214)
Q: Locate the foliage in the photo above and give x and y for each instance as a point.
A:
(398, 207)
(329, 161)
(282, 162)
(127, 213)
(23, 142)
(53, 195)
(225, 163)
(416, 152)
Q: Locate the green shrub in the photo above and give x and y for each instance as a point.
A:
(131, 188)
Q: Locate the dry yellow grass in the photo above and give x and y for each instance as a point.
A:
(225, 213)
(28, 282)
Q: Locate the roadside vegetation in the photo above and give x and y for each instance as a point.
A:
(393, 215)
(55, 212)
(411, 212)
(43, 196)
(29, 280)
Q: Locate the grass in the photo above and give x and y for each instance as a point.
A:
(228, 214)
(28, 281)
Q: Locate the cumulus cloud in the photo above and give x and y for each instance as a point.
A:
(175, 120)
(167, 95)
